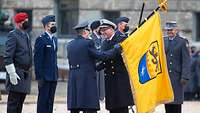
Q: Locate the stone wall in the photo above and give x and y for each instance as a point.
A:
(179, 10)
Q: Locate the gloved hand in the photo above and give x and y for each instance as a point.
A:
(183, 81)
(118, 47)
(12, 74)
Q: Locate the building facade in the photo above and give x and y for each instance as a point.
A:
(70, 12)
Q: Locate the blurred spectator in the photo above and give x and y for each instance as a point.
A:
(196, 72)
(190, 87)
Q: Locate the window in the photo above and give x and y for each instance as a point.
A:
(67, 17)
(111, 15)
(197, 27)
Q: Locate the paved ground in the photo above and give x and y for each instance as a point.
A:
(60, 105)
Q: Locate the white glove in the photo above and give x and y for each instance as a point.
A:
(12, 74)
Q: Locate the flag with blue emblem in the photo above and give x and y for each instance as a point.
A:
(144, 56)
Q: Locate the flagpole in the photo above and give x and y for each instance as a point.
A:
(141, 13)
(145, 20)
(151, 14)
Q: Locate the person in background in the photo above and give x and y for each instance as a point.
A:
(45, 62)
(197, 72)
(178, 63)
(18, 63)
(190, 86)
(98, 42)
(122, 26)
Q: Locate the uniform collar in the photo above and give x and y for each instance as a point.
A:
(112, 36)
(50, 35)
(20, 31)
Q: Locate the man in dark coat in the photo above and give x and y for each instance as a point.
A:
(18, 61)
(45, 62)
(122, 26)
(98, 42)
(117, 85)
(82, 84)
(178, 63)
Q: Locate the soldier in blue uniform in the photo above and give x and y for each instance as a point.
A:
(98, 42)
(122, 26)
(82, 84)
(178, 63)
(18, 61)
(45, 62)
(118, 94)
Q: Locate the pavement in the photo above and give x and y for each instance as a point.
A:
(60, 105)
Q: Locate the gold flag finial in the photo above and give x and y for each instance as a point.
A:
(163, 5)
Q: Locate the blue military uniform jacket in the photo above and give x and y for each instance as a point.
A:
(82, 81)
(117, 84)
(45, 58)
(178, 63)
(18, 51)
(120, 34)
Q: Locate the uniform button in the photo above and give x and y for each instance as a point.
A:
(111, 61)
(105, 74)
(112, 67)
(170, 63)
(171, 55)
(113, 73)
(104, 63)
(77, 65)
(170, 71)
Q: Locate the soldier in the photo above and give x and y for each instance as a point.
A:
(46, 70)
(18, 61)
(178, 63)
(118, 93)
(98, 42)
(82, 84)
(122, 26)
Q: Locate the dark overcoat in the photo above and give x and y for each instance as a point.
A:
(117, 84)
(19, 52)
(178, 63)
(82, 82)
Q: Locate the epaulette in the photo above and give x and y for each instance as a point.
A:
(12, 31)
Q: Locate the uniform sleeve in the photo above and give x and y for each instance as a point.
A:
(10, 48)
(101, 55)
(38, 57)
(186, 61)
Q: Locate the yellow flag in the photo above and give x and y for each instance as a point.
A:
(163, 5)
(144, 56)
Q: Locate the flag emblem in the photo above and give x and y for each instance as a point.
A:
(150, 66)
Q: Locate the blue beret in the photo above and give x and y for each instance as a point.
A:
(47, 19)
(81, 25)
(170, 25)
(95, 24)
(122, 19)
